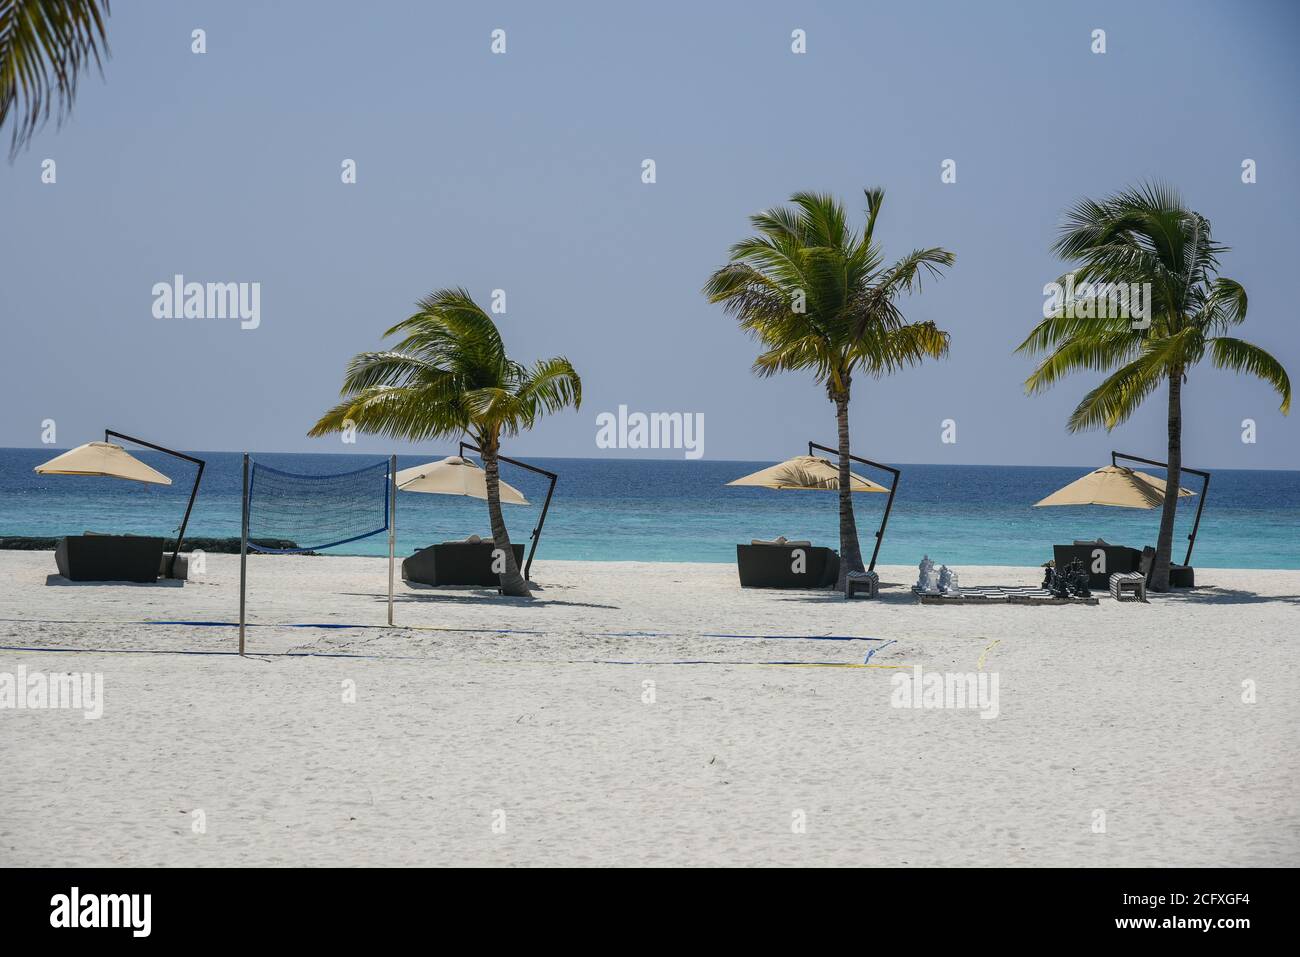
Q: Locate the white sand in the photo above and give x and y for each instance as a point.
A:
(1134, 710)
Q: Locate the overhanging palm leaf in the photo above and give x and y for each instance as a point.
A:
(45, 45)
(1240, 356)
(1118, 397)
(1097, 352)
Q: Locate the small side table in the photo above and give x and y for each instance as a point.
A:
(1128, 586)
(868, 582)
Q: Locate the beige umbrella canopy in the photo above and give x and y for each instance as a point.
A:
(102, 458)
(806, 472)
(454, 476)
(1113, 485)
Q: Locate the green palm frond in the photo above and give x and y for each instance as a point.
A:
(1095, 353)
(823, 220)
(905, 275)
(779, 259)
(790, 354)
(550, 386)
(393, 411)
(1241, 356)
(449, 375)
(1225, 303)
(1062, 327)
(45, 46)
(890, 350)
(385, 368)
(452, 330)
(780, 221)
(818, 297)
(875, 197)
(1143, 236)
(1118, 397)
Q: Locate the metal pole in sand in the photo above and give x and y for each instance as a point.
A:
(392, 531)
(243, 557)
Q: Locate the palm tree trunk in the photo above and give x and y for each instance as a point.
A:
(1169, 511)
(850, 551)
(512, 583)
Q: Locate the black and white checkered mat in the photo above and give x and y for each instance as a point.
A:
(999, 593)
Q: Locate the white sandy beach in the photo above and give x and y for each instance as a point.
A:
(477, 710)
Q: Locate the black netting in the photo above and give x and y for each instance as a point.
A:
(316, 511)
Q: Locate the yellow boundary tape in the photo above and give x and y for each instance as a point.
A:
(992, 644)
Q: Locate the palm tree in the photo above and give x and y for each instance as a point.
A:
(44, 47)
(818, 296)
(450, 376)
(1145, 236)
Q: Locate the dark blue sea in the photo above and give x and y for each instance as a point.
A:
(664, 510)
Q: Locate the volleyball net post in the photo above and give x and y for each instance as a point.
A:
(392, 531)
(243, 555)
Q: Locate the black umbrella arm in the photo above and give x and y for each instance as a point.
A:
(541, 519)
(1205, 488)
(893, 487)
(180, 535)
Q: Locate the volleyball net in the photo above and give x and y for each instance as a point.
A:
(309, 513)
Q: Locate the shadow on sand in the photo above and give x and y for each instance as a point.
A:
(888, 595)
(160, 583)
(471, 595)
(1212, 595)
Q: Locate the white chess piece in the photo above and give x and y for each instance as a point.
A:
(926, 582)
(947, 583)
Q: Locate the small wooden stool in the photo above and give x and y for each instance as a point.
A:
(1128, 586)
(868, 582)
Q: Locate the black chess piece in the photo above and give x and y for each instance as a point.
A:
(1057, 583)
(1076, 580)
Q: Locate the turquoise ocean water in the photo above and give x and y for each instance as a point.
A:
(663, 510)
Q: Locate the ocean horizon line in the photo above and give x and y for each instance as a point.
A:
(675, 458)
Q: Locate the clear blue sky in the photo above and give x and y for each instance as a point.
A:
(522, 172)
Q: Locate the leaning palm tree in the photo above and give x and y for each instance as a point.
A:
(450, 376)
(818, 296)
(44, 47)
(1144, 238)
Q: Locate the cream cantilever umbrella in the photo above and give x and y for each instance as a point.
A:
(811, 472)
(1113, 485)
(806, 472)
(102, 458)
(454, 476)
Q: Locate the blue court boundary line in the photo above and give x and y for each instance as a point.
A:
(488, 631)
(233, 654)
(799, 637)
(324, 624)
(525, 661)
(867, 660)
